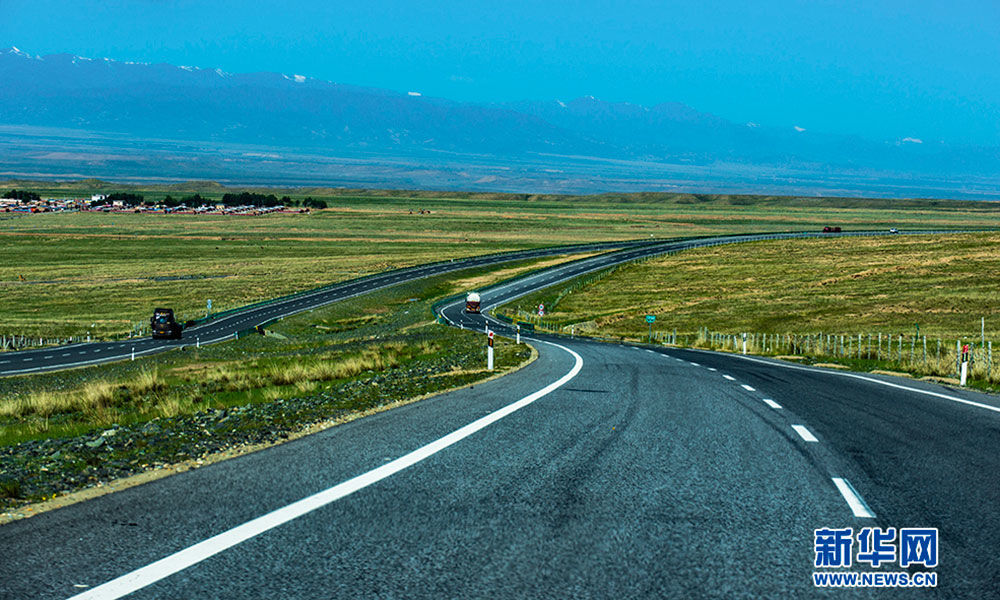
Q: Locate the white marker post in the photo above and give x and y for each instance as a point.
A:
(197, 342)
(489, 351)
(133, 352)
(744, 343)
(965, 364)
(518, 334)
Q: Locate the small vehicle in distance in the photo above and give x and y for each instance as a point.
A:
(163, 326)
(829, 229)
(472, 302)
(893, 230)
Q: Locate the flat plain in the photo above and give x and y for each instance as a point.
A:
(74, 274)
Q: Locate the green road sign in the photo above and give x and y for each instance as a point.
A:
(650, 318)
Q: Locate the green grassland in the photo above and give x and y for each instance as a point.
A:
(72, 273)
(77, 273)
(68, 430)
(379, 332)
(886, 285)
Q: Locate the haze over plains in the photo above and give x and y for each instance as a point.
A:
(884, 99)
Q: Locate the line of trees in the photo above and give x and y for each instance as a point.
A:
(252, 199)
(195, 200)
(22, 196)
(310, 202)
(125, 198)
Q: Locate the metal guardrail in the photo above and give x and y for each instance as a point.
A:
(512, 253)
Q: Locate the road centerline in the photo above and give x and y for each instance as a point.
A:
(804, 433)
(858, 506)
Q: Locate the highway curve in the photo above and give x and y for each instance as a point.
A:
(598, 471)
(226, 327)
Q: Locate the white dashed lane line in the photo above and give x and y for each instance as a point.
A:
(730, 378)
(858, 506)
(747, 388)
(804, 433)
(771, 403)
(695, 364)
(712, 369)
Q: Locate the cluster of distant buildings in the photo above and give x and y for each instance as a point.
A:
(101, 203)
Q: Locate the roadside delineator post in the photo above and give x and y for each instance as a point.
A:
(133, 352)
(744, 342)
(518, 339)
(197, 342)
(965, 364)
(489, 351)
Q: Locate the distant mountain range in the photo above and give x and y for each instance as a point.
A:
(190, 104)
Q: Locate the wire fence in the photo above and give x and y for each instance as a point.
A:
(916, 354)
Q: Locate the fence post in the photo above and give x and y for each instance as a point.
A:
(958, 357)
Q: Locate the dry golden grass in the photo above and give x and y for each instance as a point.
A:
(884, 286)
(97, 397)
(235, 261)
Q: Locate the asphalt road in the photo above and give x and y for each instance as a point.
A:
(599, 471)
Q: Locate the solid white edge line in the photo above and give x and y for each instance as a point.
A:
(747, 388)
(142, 577)
(804, 433)
(858, 506)
(897, 386)
(772, 403)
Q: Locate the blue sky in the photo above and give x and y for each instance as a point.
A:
(878, 68)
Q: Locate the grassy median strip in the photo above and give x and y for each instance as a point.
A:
(65, 431)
